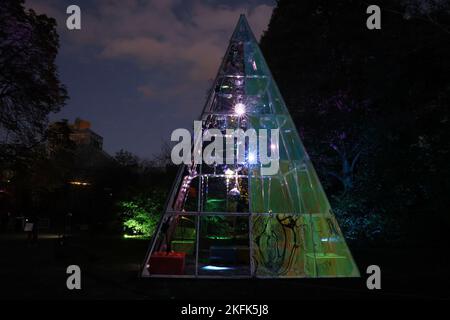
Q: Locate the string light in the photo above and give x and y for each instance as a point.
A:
(79, 183)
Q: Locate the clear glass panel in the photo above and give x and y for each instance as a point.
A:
(276, 99)
(256, 86)
(255, 66)
(233, 62)
(270, 194)
(229, 85)
(224, 246)
(186, 199)
(312, 195)
(225, 194)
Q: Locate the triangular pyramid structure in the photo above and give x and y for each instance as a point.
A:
(230, 220)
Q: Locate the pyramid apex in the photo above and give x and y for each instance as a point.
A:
(242, 31)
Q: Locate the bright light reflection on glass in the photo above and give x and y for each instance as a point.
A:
(239, 109)
(216, 268)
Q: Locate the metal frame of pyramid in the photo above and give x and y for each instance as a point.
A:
(232, 221)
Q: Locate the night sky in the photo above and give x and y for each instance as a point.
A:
(140, 69)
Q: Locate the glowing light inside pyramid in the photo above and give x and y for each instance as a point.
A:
(229, 172)
(234, 192)
(239, 109)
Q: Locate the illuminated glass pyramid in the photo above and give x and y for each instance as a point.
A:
(233, 221)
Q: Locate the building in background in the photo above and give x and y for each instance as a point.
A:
(87, 144)
(77, 147)
(82, 135)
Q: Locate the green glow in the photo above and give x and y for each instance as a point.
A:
(219, 237)
(215, 200)
(138, 218)
(135, 236)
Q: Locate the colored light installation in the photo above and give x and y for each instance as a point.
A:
(230, 220)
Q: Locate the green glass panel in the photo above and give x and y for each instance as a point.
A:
(330, 256)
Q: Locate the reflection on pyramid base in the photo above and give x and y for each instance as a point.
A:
(224, 271)
(252, 245)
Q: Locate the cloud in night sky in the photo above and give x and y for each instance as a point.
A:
(165, 54)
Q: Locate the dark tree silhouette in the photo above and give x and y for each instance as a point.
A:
(371, 105)
(29, 84)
